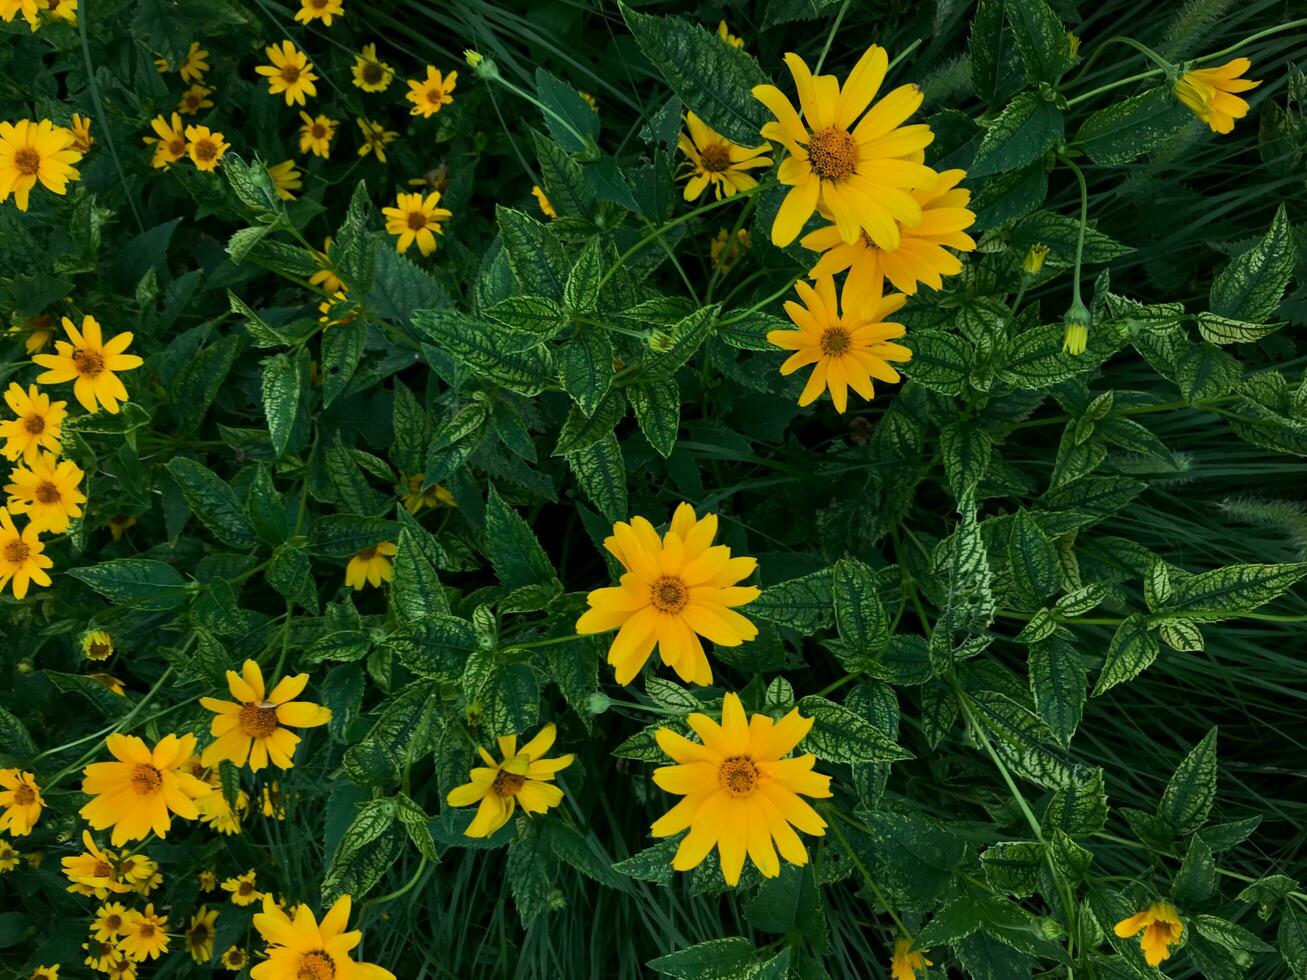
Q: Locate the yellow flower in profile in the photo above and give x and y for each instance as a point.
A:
(848, 342)
(371, 566)
(21, 558)
(205, 147)
(336, 309)
(1209, 93)
(301, 948)
(416, 219)
(119, 524)
(853, 161)
(44, 973)
(21, 802)
(741, 794)
(140, 872)
(371, 74)
(81, 130)
(1161, 928)
(725, 256)
(714, 161)
(234, 959)
(286, 179)
(91, 363)
(8, 857)
(194, 65)
(39, 330)
(208, 881)
(316, 135)
(1033, 263)
(169, 143)
(922, 255)
(110, 683)
(141, 790)
(376, 138)
(676, 589)
(524, 777)
(325, 278)
(145, 934)
(108, 922)
(906, 964)
(200, 934)
(97, 645)
(323, 10)
(290, 74)
(32, 152)
(47, 492)
(94, 872)
(38, 423)
(419, 497)
(725, 34)
(1075, 329)
(429, 95)
(9, 9)
(257, 725)
(546, 206)
(243, 889)
(194, 99)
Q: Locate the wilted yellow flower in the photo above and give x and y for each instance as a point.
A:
(21, 802)
(316, 135)
(243, 888)
(376, 138)
(714, 161)
(290, 74)
(523, 777)
(286, 178)
(141, 790)
(218, 814)
(1161, 928)
(416, 219)
(273, 804)
(419, 497)
(325, 278)
(8, 857)
(429, 95)
(724, 256)
(32, 152)
(81, 130)
(371, 74)
(39, 330)
(37, 425)
(1076, 329)
(47, 491)
(204, 147)
(21, 558)
(546, 206)
(257, 725)
(91, 363)
(194, 65)
(97, 645)
(110, 683)
(371, 566)
(323, 10)
(208, 881)
(1209, 93)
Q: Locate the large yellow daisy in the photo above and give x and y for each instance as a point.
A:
(141, 790)
(524, 776)
(852, 160)
(741, 794)
(299, 948)
(21, 558)
(416, 219)
(145, 934)
(714, 161)
(35, 151)
(1161, 928)
(1209, 93)
(91, 363)
(290, 74)
(47, 492)
(21, 802)
(677, 588)
(255, 727)
(37, 425)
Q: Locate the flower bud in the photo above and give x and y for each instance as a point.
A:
(1077, 323)
(1034, 260)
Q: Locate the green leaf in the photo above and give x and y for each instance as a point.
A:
(1023, 132)
(510, 701)
(16, 738)
(657, 406)
(1041, 39)
(454, 442)
(417, 824)
(1079, 808)
(1022, 739)
(342, 347)
(1219, 330)
(213, 502)
(365, 853)
(1250, 287)
(1225, 593)
(985, 45)
(966, 451)
(1127, 130)
(1196, 879)
(1014, 866)
(537, 259)
(940, 361)
(1132, 650)
(478, 346)
(732, 958)
(1182, 635)
(713, 79)
(601, 472)
(514, 551)
(138, 582)
(564, 180)
(789, 904)
(583, 429)
(1292, 941)
(859, 613)
(803, 603)
(1032, 559)
(679, 344)
(1034, 359)
(840, 735)
(571, 121)
(537, 318)
(1057, 681)
(1060, 233)
(1234, 938)
(282, 381)
(581, 291)
(416, 591)
(1191, 790)
(105, 701)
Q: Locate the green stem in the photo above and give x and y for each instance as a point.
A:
(402, 891)
(1151, 73)
(1287, 26)
(830, 37)
(1080, 239)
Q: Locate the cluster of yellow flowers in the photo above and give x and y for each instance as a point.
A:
(37, 12)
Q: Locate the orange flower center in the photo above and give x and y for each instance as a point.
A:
(258, 721)
(145, 930)
(367, 554)
(669, 594)
(27, 161)
(835, 341)
(290, 74)
(24, 795)
(434, 95)
(318, 4)
(89, 363)
(507, 783)
(17, 551)
(35, 424)
(316, 966)
(416, 220)
(372, 73)
(177, 147)
(235, 959)
(199, 934)
(319, 131)
(738, 775)
(146, 780)
(102, 869)
(715, 157)
(113, 922)
(47, 492)
(833, 153)
(190, 101)
(206, 150)
(98, 650)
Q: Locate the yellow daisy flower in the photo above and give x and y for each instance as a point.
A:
(47, 492)
(62, 10)
(208, 881)
(243, 889)
(851, 159)
(290, 74)
(273, 805)
(713, 160)
(725, 34)
(922, 255)
(97, 645)
(9, 9)
(323, 10)
(94, 872)
(847, 349)
(676, 589)
(257, 727)
(108, 922)
(38, 424)
(20, 801)
(234, 959)
(325, 278)
(204, 147)
(35, 151)
(21, 558)
(418, 497)
(141, 790)
(8, 857)
(376, 138)
(217, 814)
(145, 934)
(194, 66)
(286, 178)
(337, 309)
(142, 872)
(44, 973)
(370, 73)
(104, 957)
(110, 683)
(741, 794)
(546, 206)
(194, 99)
(91, 363)
(371, 566)
(122, 969)
(1161, 928)
(525, 776)
(906, 964)
(316, 135)
(39, 330)
(1209, 93)
(300, 947)
(200, 934)
(429, 95)
(119, 524)
(170, 143)
(81, 130)
(416, 219)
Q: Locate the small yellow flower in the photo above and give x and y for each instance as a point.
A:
(200, 934)
(112, 684)
(94, 872)
(104, 957)
(524, 777)
(208, 881)
(37, 426)
(1033, 263)
(725, 34)
(335, 310)
(323, 10)
(32, 152)
(243, 889)
(1161, 928)
(713, 160)
(1076, 329)
(290, 74)
(724, 256)
(906, 964)
(376, 138)
(316, 135)
(141, 790)
(48, 492)
(430, 94)
(370, 73)
(325, 278)
(589, 100)
(473, 58)
(546, 206)
(62, 10)
(1209, 93)
(39, 330)
(234, 959)
(45, 973)
(8, 857)
(274, 804)
(286, 178)
(194, 65)
(145, 934)
(91, 363)
(419, 497)
(9, 9)
(301, 948)
(371, 566)
(97, 645)
(119, 524)
(217, 814)
(204, 147)
(81, 130)
(20, 801)
(141, 873)
(416, 219)
(108, 923)
(169, 143)
(194, 99)
(257, 725)
(21, 558)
